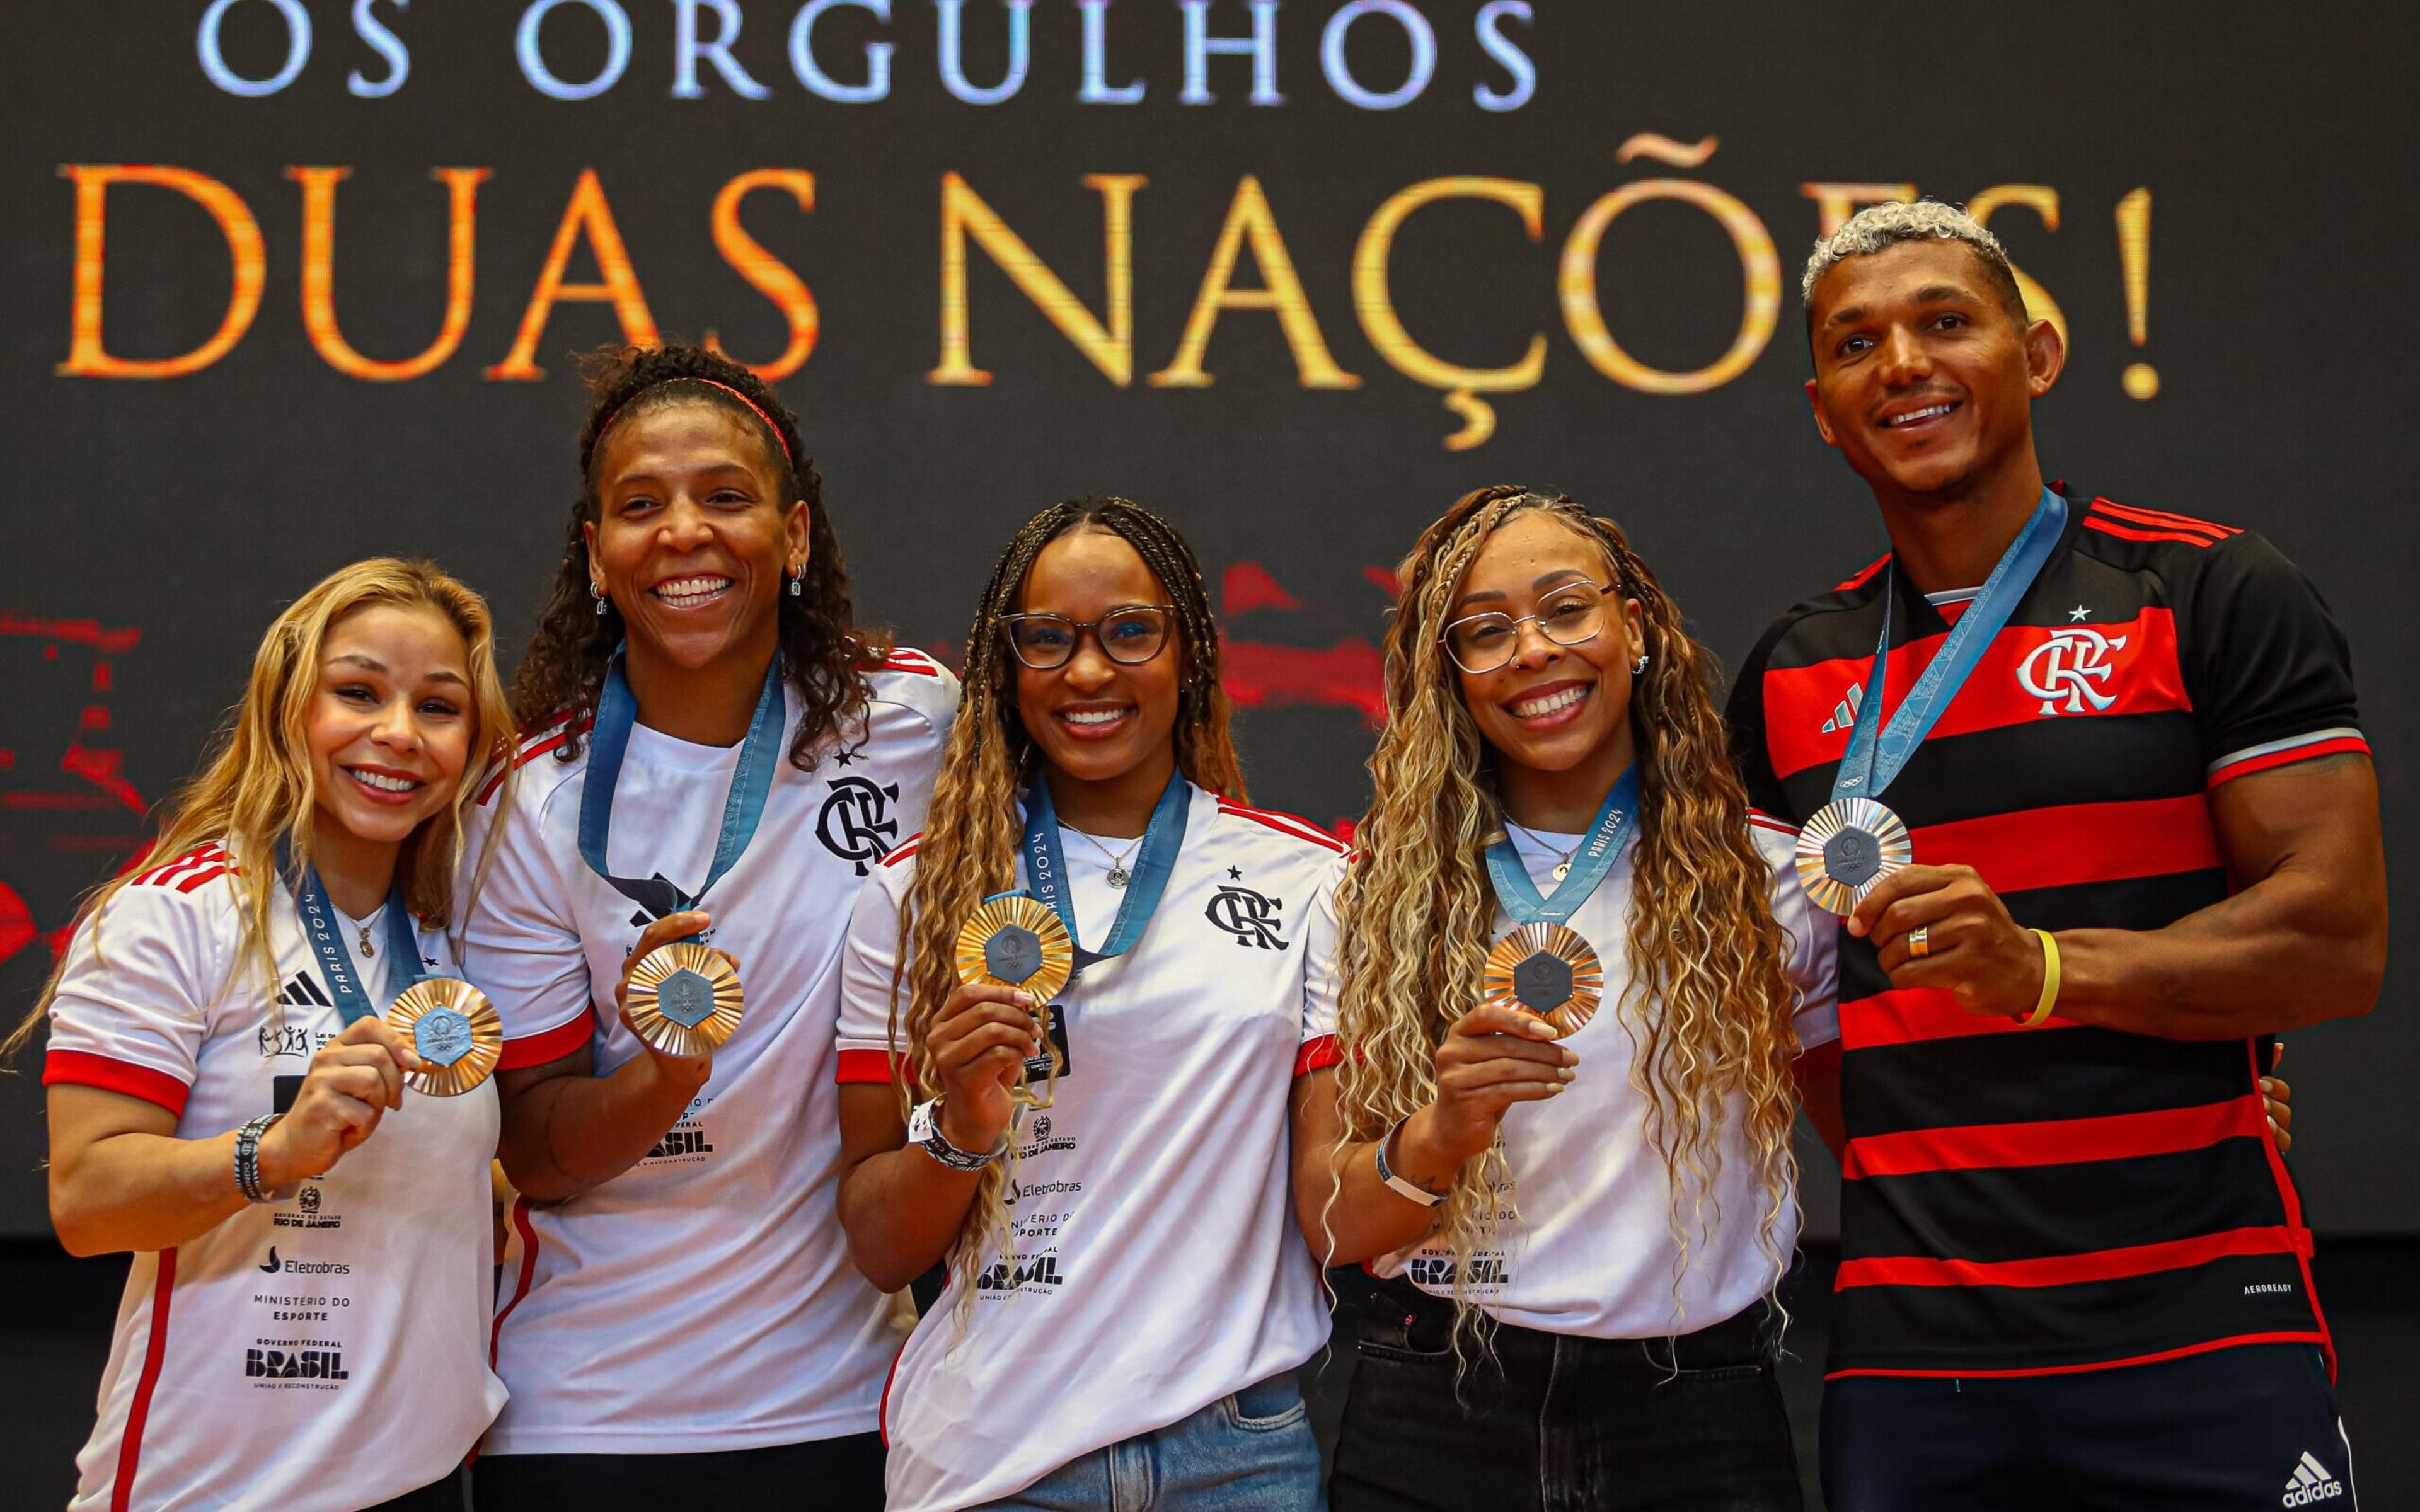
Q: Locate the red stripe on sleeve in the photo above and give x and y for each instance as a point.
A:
(2056, 1141)
(548, 1045)
(2125, 533)
(2069, 1270)
(2164, 518)
(2345, 744)
(861, 1066)
(81, 1068)
(1317, 1054)
(155, 1351)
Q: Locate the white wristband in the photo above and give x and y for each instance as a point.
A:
(1395, 1183)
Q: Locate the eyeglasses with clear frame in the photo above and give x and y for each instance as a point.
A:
(1572, 615)
(1129, 635)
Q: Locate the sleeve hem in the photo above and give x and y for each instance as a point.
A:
(80, 1068)
(2260, 758)
(548, 1045)
(878, 1068)
(1317, 1054)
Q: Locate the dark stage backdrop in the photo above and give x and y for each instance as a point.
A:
(293, 281)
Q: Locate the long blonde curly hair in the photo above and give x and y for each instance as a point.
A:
(258, 787)
(969, 848)
(1709, 1001)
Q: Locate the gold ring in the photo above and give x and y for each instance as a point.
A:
(1918, 945)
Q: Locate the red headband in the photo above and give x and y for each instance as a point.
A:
(779, 439)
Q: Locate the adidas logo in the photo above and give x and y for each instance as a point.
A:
(2310, 1483)
(304, 992)
(1844, 713)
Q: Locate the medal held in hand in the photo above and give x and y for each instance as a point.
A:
(1544, 966)
(1548, 970)
(684, 998)
(453, 1028)
(1854, 842)
(1847, 848)
(1016, 940)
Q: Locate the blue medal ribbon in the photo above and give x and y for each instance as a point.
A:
(325, 931)
(1519, 896)
(743, 807)
(1045, 867)
(1878, 751)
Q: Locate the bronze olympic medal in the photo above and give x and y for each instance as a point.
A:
(453, 1028)
(1015, 941)
(1847, 849)
(1547, 970)
(684, 998)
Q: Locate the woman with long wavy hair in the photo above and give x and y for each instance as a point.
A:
(719, 754)
(227, 1100)
(1580, 1203)
(1127, 1297)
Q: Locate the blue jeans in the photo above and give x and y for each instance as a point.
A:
(1250, 1452)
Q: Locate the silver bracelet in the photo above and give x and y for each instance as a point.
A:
(1396, 1183)
(925, 1132)
(247, 1159)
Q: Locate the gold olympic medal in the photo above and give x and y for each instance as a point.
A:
(1847, 849)
(1547, 970)
(1015, 941)
(453, 1028)
(684, 998)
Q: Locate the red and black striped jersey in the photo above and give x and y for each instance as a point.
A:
(2069, 1196)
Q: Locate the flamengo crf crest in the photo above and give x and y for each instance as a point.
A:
(855, 823)
(1249, 916)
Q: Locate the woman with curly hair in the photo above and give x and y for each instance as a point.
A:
(226, 1097)
(1580, 1212)
(719, 753)
(1127, 1296)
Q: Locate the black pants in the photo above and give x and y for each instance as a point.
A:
(2250, 1426)
(1555, 1423)
(822, 1475)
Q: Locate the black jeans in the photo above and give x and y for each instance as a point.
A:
(1556, 1422)
(841, 1474)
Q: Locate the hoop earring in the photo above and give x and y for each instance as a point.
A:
(1639, 666)
(597, 591)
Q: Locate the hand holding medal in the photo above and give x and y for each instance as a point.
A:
(1015, 941)
(681, 998)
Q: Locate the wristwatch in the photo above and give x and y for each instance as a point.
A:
(1397, 1184)
(925, 1131)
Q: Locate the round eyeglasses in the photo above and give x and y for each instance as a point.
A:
(1128, 635)
(1569, 616)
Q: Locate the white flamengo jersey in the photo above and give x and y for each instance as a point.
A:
(1590, 1252)
(704, 1299)
(317, 1354)
(1158, 1267)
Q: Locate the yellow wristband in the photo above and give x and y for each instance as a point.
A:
(2050, 982)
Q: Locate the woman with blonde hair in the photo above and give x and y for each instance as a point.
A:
(304, 1326)
(1127, 1298)
(1580, 1200)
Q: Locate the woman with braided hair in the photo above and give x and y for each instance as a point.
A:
(1127, 1295)
(1604, 1194)
(718, 753)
